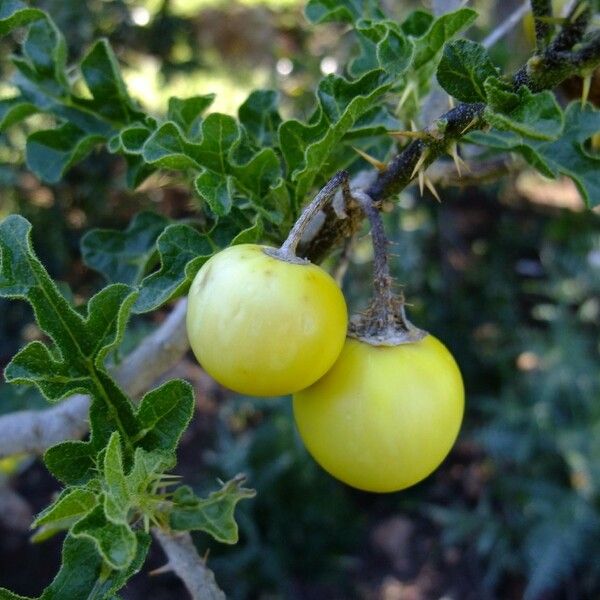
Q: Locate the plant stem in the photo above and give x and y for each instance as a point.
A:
(289, 247)
(384, 323)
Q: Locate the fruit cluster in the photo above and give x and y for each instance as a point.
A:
(377, 402)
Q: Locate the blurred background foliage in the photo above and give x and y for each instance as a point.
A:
(506, 273)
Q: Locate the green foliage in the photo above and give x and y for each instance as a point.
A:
(463, 70)
(568, 155)
(249, 177)
(214, 515)
(115, 475)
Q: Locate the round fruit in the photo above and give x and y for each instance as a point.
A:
(261, 325)
(384, 417)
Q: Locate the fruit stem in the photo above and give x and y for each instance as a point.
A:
(289, 247)
(384, 322)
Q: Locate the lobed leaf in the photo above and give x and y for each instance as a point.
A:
(568, 155)
(213, 515)
(463, 70)
(163, 415)
(124, 256)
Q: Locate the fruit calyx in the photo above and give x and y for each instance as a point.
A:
(384, 322)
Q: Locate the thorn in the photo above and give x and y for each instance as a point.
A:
(206, 555)
(459, 163)
(161, 570)
(431, 188)
(405, 94)
(451, 101)
(414, 135)
(585, 92)
(473, 120)
(419, 164)
(380, 166)
(421, 181)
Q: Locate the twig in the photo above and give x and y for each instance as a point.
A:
(34, 432)
(186, 563)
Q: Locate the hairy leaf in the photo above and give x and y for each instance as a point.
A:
(463, 70)
(125, 256)
(163, 415)
(51, 153)
(568, 155)
(321, 11)
(213, 515)
(532, 115)
(64, 512)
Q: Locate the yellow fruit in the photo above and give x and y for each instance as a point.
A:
(384, 417)
(263, 326)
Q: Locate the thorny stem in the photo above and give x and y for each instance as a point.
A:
(568, 54)
(289, 247)
(384, 323)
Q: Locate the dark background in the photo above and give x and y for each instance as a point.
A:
(506, 273)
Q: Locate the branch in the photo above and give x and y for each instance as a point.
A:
(33, 432)
(184, 561)
(542, 71)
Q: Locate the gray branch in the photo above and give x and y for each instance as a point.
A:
(33, 432)
(184, 561)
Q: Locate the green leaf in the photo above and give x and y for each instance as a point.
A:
(130, 140)
(64, 512)
(182, 251)
(117, 500)
(533, 115)
(116, 543)
(75, 362)
(348, 11)
(147, 468)
(101, 73)
(46, 50)
(163, 414)
(52, 152)
(167, 148)
(187, 112)
(463, 69)
(394, 53)
(259, 115)
(124, 256)
(8, 595)
(429, 45)
(217, 190)
(384, 45)
(13, 110)
(417, 23)
(14, 13)
(568, 155)
(72, 462)
(306, 147)
(213, 515)
(83, 570)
